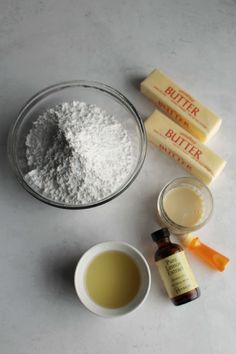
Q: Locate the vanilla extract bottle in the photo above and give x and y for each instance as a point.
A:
(174, 269)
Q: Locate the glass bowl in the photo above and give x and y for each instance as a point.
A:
(107, 98)
(200, 189)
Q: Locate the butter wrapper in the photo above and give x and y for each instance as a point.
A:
(180, 106)
(182, 147)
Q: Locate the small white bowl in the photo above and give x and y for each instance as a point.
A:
(80, 286)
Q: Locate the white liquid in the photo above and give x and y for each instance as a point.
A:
(183, 206)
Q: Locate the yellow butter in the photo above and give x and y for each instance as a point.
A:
(181, 146)
(180, 106)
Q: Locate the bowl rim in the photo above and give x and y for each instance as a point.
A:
(83, 264)
(58, 87)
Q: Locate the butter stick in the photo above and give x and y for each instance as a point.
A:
(178, 105)
(181, 146)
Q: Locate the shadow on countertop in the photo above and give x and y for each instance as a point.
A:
(58, 274)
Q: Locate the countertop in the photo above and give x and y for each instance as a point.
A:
(116, 42)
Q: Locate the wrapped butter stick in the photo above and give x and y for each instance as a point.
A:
(178, 105)
(181, 146)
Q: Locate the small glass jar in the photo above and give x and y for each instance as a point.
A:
(195, 185)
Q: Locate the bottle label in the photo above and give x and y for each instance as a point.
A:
(176, 274)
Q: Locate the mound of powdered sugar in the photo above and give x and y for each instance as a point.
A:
(77, 153)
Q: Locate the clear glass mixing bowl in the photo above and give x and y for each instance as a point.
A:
(109, 99)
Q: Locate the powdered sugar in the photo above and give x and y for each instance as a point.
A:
(78, 154)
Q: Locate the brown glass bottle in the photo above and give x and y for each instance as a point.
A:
(174, 269)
